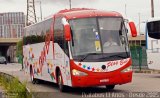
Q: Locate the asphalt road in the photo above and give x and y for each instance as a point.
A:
(143, 83)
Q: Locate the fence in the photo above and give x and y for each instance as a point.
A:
(139, 57)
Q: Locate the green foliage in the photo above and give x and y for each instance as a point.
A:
(14, 88)
(19, 48)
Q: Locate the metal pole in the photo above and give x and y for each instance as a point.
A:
(70, 5)
(139, 15)
(40, 9)
(126, 10)
(27, 13)
(152, 8)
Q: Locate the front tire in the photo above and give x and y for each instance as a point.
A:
(60, 82)
(110, 87)
(5, 62)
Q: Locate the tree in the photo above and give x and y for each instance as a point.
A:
(19, 51)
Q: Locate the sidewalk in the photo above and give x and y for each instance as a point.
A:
(10, 67)
(14, 69)
(146, 71)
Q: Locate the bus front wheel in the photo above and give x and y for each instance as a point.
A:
(110, 87)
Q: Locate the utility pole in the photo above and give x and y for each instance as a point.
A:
(152, 8)
(31, 14)
(40, 9)
(126, 10)
(70, 4)
(139, 15)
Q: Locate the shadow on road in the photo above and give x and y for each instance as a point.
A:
(88, 92)
(155, 77)
(78, 91)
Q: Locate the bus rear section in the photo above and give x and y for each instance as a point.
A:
(153, 43)
(87, 48)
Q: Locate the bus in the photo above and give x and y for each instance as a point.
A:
(79, 47)
(153, 43)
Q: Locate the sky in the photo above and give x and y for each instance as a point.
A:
(134, 8)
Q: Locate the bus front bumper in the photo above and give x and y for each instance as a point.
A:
(102, 79)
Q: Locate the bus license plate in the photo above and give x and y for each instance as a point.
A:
(104, 80)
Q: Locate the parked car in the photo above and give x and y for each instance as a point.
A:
(3, 60)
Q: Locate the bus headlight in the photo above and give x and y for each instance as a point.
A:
(78, 73)
(128, 69)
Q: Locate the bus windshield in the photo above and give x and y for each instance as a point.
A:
(154, 29)
(99, 38)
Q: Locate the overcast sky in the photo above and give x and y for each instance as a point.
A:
(49, 7)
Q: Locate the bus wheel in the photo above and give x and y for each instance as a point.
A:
(60, 82)
(33, 80)
(110, 87)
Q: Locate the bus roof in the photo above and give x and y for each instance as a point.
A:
(154, 19)
(81, 13)
(85, 12)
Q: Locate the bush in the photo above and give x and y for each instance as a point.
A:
(19, 49)
(14, 88)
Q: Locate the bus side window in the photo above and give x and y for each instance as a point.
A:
(59, 35)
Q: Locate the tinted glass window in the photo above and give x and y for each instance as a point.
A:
(59, 35)
(154, 29)
(99, 38)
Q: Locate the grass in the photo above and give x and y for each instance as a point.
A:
(13, 87)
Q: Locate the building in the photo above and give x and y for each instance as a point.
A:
(11, 28)
(138, 41)
(12, 24)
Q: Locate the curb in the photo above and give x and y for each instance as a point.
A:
(13, 77)
(149, 71)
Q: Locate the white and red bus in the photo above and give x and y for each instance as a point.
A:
(153, 43)
(79, 48)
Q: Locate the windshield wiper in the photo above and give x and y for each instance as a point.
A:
(87, 56)
(117, 55)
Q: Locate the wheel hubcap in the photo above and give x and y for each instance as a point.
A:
(60, 81)
(31, 76)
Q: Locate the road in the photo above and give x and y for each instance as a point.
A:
(141, 83)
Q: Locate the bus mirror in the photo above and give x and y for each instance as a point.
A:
(133, 29)
(67, 32)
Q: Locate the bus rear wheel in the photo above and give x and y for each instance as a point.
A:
(110, 87)
(60, 82)
(33, 80)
